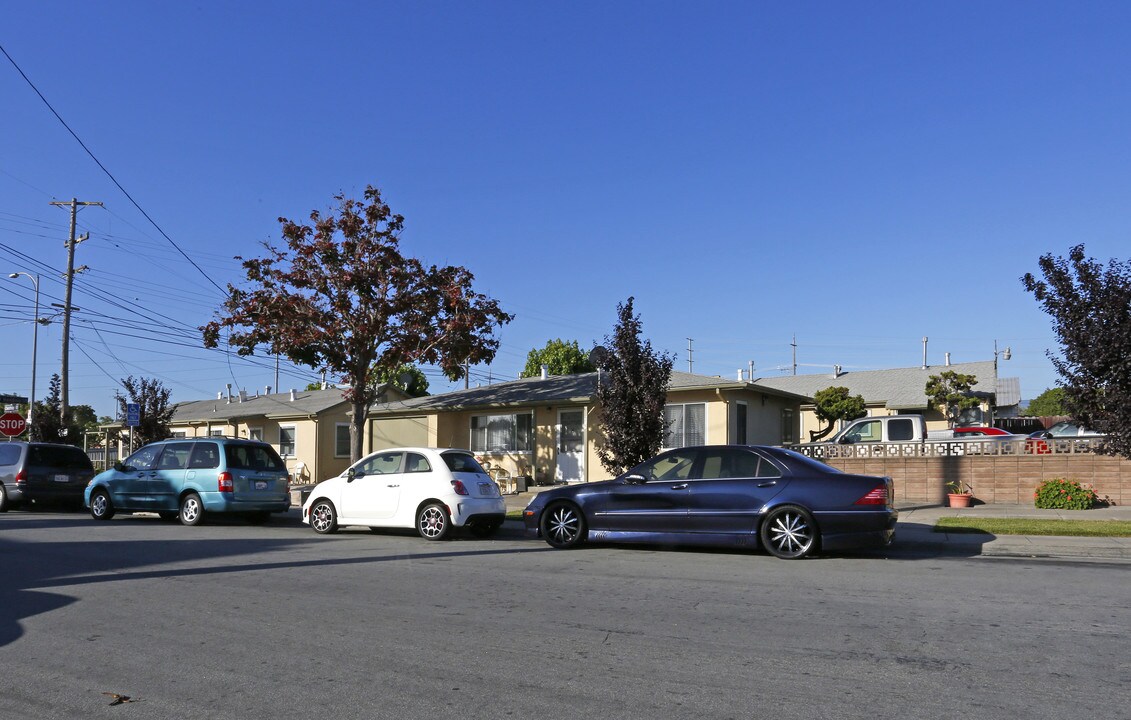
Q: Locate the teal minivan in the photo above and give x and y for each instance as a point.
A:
(190, 478)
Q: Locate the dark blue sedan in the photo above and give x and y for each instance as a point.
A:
(731, 495)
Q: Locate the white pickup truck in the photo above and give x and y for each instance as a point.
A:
(889, 428)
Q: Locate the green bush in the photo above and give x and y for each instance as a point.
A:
(1064, 494)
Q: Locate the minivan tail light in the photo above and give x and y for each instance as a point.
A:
(226, 483)
(878, 496)
(21, 476)
(459, 487)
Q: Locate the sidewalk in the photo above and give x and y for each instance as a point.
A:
(916, 529)
(915, 532)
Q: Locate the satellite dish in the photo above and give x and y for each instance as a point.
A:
(598, 356)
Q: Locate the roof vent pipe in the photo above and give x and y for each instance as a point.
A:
(267, 391)
(947, 356)
(545, 371)
(741, 375)
(229, 386)
(220, 395)
(924, 352)
(292, 394)
(837, 370)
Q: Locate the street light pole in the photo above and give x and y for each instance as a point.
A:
(34, 344)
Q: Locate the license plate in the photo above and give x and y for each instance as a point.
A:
(62, 478)
(261, 484)
(485, 488)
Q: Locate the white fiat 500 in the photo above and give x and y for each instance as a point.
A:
(429, 489)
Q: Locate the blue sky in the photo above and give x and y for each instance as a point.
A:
(857, 175)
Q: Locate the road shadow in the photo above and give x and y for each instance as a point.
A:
(32, 569)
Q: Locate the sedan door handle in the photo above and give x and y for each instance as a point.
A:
(768, 483)
(682, 486)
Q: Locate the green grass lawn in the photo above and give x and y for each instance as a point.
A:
(1022, 526)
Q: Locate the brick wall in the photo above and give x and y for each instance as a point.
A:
(1007, 479)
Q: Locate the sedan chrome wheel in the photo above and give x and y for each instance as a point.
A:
(788, 532)
(323, 518)
(432, 523)
(563, 526)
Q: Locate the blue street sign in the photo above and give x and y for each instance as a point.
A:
(133, 414)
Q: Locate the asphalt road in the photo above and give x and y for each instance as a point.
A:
(238, 621)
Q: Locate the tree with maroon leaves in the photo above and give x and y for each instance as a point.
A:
(1090, 306)
(632, 393)
(341, 297)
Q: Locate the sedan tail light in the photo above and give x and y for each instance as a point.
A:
(226, 483)
(459, 487)
(878, 496)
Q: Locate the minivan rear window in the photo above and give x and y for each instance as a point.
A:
(253, 457)
(60, 457)
(10, 454)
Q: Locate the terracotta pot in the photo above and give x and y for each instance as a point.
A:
(960, 499)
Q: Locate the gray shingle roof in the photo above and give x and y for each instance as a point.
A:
(898, 389)
(556, 389)
(274, 406)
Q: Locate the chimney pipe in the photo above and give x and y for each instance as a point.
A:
(545, 371)
(947, 356)
(741, 375)
(924, 352)
(292, 394)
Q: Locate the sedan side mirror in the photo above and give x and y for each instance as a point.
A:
(635, 479)
(350, 475)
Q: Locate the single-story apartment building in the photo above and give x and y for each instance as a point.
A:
(902, 391)
(547, 428)
(309, 428)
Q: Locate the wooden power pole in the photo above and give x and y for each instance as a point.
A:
(70, 277)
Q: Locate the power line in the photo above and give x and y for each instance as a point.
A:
(107, 172)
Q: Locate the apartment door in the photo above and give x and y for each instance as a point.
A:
(571, 446)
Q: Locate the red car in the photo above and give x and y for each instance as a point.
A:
(961, 432)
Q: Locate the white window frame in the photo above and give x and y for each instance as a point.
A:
(294, 440)
(683, 441)
(482, 445)
(255, 433)
(337, 429)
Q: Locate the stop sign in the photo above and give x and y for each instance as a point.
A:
(12, 424)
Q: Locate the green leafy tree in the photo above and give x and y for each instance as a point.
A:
(48, 425)
(152, 399)
(834, 404)
(340, 297)
(1090, 306)
(632, 393)
(949, 391)
(560, 358)
(1047, 404)
(409, 378)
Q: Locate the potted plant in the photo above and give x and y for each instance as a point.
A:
(959, 494)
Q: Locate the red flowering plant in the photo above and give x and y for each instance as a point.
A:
(1064, 494)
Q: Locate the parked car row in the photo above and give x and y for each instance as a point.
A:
(742, 496)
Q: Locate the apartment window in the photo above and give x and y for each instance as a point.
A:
(341, 440)
(787, 435)
(255, 433)
(216, 433)
(179, 434)
(686, 425)
(740, 423)
(502, 433)
(287, 440)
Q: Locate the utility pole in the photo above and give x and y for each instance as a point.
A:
(794, 346)
(690, 363)
(70, 278)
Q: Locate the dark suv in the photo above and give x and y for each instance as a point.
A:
(42, 473)
(193, 477)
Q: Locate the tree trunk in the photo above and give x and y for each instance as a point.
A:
(357, 427)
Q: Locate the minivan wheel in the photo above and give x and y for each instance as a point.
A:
(100, 506)
(192, 510)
